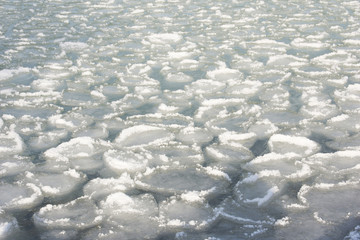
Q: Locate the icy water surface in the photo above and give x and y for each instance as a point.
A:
(179, 119)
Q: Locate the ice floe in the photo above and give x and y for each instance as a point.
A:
(143, 135)
(124, 213)
(8, 226)
(71, 217)
(301, 146)
(182, 179)
(178, 213)
(20, 196)
(56, 185)
(179, 120)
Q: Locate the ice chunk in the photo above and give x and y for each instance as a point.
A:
(165, 38)
(322, 197)
(6, 74)
(76, 215)
(58, 234)
(276, 97)
(28, 125)
(132, 212)
(302, 226)
(113, 123)
(281, 118)
(246, 64)
(224, 121)
(93, 132)
(17, 197)
(177, 214)
(179, 78)
(341, 161)
(258, 190)
(171, 121)
(187, 65)
(176, 56)
(263, 128)
(129, 103)
(345, 143)
(99, 188)
(182, 179)
(163, 109)
(10, 143)
(82, 153)
(70, 121)
(224, 74)
(234, 138)
(230, 158)
(142, 135)
(125, 161)
(178, 98)
(347, 122)
(354, 235)
(235, 155)
(108, 232)
(8, 226)
(333, 58)
(57, 185)
(120, 205)
(134, 80)
(139, 69)
(318, 107)
(301, 43)
(48, 84)
(194, 135)
(11, 166)
(243, 214)
(348, 99)
(286, 61)
(179, 154)
(264, 48)
(46, 140)
(206, 87)
(114, 92)
(243, 89)
(74, 46)
(302, 146)
(286, 166)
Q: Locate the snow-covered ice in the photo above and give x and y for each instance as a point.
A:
(174, 119)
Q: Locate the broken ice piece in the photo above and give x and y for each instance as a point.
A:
(78, 214)
(143, 135)
(19, 196)
(283, 144)
(177, 214)
(170, 180)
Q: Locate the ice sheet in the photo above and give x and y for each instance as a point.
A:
(179, 119)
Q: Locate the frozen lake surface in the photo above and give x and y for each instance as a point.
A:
(183, 120)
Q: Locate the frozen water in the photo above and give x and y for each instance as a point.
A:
(171, 180)
(174, 119)
(177, 214)
(71, 217)
(20, 196)
(8, 226)
(149, 135)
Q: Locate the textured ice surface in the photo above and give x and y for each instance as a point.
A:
(8, 225)
(182, 179)
(71, 217)
(175, 119)
(178, 214)
(19, 196)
